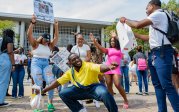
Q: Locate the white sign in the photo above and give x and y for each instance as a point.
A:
(43, 10)
(61, 59)
(126, 37)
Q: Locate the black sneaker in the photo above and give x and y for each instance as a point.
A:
(4, 104)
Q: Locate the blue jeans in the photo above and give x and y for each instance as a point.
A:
(5, 71)
(40, 70)
(125, 74)
(18, 77)
(161, 71)
(142, 75)
(71, 95)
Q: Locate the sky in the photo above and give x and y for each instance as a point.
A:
(101, 10)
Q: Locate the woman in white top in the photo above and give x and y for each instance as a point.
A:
(19, 73)
(41, 50)
(81, 49)
(132, 72)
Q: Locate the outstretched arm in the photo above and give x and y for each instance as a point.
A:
(31, 39)
(137, 24)
(102, 49)
(105, 68)
(56, 34)
(54, 85)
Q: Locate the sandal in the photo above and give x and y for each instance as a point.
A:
(125, 106)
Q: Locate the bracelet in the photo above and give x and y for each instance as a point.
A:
(32, 22)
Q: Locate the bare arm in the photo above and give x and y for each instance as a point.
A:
(105, 68)
(102, 49)
(56, 34)
(10, 52)
(142, 37)
(88, 57)
(31, 39)
(54, 85)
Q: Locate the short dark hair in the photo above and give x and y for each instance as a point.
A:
(155, 2)
(70, 55)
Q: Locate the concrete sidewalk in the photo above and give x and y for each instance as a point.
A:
(137, 103)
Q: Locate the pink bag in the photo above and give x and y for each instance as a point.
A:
(142, 65)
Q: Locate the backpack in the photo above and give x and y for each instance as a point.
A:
(173, 27)
(1, 39)
(142, 65)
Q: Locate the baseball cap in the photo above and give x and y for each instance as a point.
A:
(46, 36)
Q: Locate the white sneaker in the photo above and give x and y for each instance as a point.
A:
(96, 103)
(83, 110)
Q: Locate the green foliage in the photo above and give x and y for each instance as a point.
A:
(108, 30)
(172, 5)
(6, 24)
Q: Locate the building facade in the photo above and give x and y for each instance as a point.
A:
(66, 27)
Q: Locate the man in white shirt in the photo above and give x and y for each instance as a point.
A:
(160, 58)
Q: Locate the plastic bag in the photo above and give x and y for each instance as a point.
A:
(36, 100)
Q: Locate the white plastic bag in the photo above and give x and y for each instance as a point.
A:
(36, 101)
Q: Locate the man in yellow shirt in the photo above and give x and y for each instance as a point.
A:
(84, 76)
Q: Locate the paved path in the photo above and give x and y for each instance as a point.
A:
(137, 103)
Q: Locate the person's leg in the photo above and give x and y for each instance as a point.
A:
(126, 77)
(160, 93)
(71, 95)
(121, 90)
(5, 70)
(109, 82)
(139, 75)
(164, 70)
(122, 77)
(7, 93)
(15, 81)
(145, 75)
(21, 79)
(100, 93)
(49, 78)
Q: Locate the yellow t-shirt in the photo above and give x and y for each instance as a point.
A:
(87, 75)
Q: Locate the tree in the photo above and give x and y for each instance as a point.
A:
(172, 5)
(6, 24)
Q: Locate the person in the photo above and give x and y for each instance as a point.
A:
(29, 57)
(41, 50)
(132, 72)
(114, 55)
(141, 74)
(125, 71)
(81, 49)
(160, 61)
(19, 73)
(6, 63)
(84, 76)
(97, 57)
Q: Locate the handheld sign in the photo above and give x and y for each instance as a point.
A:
(43, 10)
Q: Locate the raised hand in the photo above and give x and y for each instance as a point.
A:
(113, 34)
(92, 37)
(56, 22)
(33, 20)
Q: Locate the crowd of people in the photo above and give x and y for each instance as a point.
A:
(93, 68)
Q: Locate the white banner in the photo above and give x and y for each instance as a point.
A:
(126, 37)
(43, 10)
(61, 59)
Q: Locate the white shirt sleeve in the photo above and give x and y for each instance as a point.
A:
(155, 18)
